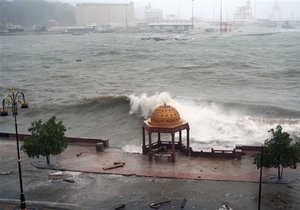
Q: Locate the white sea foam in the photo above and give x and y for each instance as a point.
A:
(214, 126)
(132, 149)
(144, 104)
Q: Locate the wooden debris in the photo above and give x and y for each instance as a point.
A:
(56, 175)
(70, 180)
(115, 165)
(59, 176)
(156, 205)
(120, 207)
(79, 154)
(183, 202)
(5, 172)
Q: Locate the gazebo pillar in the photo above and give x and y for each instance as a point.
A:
(150, 157)
(180, 139)
(159, 139)
(188, 141)
(144, 141)
(173, 148)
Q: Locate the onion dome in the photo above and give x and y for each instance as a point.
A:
(165, 116)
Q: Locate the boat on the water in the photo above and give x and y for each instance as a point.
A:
(287, 25)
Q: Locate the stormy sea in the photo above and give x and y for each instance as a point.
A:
(231, 88)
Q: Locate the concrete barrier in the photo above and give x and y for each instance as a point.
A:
(226, 154)
(74, 140)
(236, 153)
(249, 148)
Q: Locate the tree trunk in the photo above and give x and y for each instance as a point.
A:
(48, 159)
(278, 167)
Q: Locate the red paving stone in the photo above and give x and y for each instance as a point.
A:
(138, 165)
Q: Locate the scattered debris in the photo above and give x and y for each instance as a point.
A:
(70, 180)
(120, 207)
(283, 201)
(79, 154)
(60, 176)
(56, 175)
(116, 165)
(225, 207)
(5, 173)
(156, 205)
(183, 202)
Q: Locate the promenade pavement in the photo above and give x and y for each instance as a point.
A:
(6, 204)
(86, 159)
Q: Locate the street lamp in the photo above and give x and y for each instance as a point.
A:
(12, 100)
(221, 14)
(260, 176)
(192, 14)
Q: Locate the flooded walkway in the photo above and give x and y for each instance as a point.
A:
(86, 159)
(144, 182)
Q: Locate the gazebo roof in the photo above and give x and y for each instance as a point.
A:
(165, 117)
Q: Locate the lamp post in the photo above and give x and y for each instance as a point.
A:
(221, 14)
(12, 100)
(260, 176)
(192, 14)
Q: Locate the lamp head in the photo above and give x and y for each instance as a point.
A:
(3, 112)
(24, 105)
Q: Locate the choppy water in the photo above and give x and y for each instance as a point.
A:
(231, 89)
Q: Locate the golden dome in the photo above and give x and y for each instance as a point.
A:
(165, 116)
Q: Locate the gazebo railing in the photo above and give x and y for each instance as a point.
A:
(168, 145)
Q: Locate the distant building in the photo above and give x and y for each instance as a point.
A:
(11, 28)
(170, 26)
(244, 13)
(153, 15)
(276, 11)
(119, 15)
(75, 30)
(52, 23)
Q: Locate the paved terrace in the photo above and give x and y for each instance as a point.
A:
(86, 159)
(82, 156)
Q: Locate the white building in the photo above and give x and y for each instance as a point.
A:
(172, 26)
(98, 14)
(244, 12)
(153, 15)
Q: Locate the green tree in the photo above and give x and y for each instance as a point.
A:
(46, 139)
(279, 152)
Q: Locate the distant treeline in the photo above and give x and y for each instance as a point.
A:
(35, 12)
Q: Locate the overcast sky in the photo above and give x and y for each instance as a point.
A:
(209, 9)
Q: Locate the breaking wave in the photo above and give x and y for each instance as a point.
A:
(220, 125)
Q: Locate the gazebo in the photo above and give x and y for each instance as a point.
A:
(165, 119)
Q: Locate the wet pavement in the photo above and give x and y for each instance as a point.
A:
(6, 204)
(92, 187)
(86, 159)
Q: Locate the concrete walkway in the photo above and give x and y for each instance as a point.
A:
(6, 204)
(86, 159)
(136, 192)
